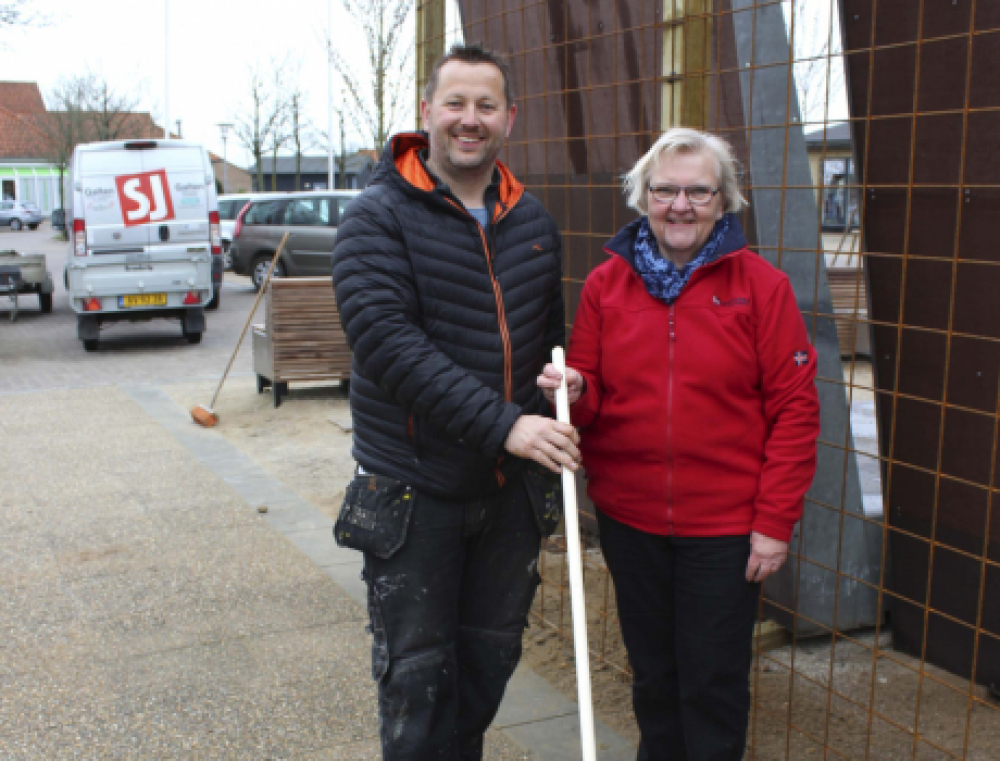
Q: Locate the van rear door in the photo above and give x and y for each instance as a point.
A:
(178, 216)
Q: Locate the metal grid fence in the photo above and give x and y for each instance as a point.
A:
(869, 135)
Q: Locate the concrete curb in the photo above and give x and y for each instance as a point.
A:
(533, 714)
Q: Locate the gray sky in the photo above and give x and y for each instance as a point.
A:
(212, 47)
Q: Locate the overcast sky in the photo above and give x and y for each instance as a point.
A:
(212, 46)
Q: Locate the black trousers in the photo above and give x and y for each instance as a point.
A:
(687, 614)
(448, 611)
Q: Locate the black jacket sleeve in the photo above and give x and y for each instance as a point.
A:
(380, 313)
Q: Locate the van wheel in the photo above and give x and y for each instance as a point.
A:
(15, 224)
(90, 344)
(215, 301)
(32, 227)
(192, 336)
(260, 267)
(45, 302)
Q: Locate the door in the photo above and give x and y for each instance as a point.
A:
(310, 240)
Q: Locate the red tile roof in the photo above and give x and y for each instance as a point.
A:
(21, 98)
(19, 138)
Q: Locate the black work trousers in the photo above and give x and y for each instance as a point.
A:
(448, 611)
(687, 614)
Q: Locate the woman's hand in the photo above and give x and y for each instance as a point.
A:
(550, 379)
(767, 555)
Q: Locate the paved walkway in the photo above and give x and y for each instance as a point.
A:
(148, 610)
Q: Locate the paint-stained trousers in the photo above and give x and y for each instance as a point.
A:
(687, 614)
(447, 612)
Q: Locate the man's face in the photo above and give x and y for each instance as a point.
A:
(468, 118)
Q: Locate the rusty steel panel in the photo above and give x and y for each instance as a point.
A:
(924, 93)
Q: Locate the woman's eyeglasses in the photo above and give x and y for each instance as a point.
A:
(699, 195)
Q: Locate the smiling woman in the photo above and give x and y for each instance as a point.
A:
(693, 382)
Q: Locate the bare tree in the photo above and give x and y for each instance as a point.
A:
(301, 132)
(64, 127)
(260, 130)
(340, 158)
(378, 109)
(107, 111)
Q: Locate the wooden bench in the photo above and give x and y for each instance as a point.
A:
(301, 339)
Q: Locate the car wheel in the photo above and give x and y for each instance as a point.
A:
(216, 299)
(193, 338)
(259, 271)
(15, 224)
(45, 302)
(90, 344)
(32, 227)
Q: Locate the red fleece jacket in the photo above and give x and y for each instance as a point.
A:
(700, 418)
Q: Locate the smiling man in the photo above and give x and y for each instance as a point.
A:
(448, 280)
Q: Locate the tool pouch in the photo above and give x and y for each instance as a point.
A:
(375, 515)
(545, 492)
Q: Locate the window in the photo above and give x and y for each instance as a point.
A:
(342, 202)
(840, 201)
(308, 212)
(267, 213)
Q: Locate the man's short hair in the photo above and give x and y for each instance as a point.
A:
(474, 53)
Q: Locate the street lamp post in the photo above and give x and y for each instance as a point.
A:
(224, 127)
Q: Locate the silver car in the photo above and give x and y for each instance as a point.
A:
(310, 218)
(20, 214)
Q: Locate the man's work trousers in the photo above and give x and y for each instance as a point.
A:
(448, 611)
(687, 614)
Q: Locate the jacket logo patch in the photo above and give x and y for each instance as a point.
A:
(736, 302)
(800, 358)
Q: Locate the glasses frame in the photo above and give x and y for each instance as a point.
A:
(653, 190)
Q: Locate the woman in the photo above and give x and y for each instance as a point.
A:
(690, 375)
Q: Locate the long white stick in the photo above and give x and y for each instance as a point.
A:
(578, 606)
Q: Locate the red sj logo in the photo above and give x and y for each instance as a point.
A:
(145, 197)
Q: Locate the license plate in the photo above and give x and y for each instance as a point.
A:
(143, 300)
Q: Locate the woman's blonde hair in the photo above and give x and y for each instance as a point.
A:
(677, 140)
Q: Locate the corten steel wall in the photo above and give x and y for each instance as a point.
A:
(925, 108)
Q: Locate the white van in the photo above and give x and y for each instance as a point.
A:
(144, 235)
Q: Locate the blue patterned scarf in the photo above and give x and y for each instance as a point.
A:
(661, 277)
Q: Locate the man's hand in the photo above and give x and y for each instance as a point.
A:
(550, 379)
(546, 441)
(767, 555)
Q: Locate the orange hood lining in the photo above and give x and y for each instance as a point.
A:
(406, 150)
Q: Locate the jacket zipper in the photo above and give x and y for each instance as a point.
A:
(508, 375)
(670, 422)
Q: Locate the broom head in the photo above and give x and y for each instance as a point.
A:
(204, 416)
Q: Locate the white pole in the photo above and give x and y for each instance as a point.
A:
(166, 69)
(578, 605)
(329, 95)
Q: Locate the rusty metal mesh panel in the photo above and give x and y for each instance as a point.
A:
(869, 134)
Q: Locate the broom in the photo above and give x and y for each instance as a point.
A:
(588, 744)
(206, 416)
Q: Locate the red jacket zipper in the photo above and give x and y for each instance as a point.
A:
(670, 422)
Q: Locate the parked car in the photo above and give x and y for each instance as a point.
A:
(230, 207)
(20, 214)
(310, 218)
(145, 239)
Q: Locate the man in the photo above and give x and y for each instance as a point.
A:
(448, 281)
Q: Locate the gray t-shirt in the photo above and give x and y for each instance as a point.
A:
(480, 215)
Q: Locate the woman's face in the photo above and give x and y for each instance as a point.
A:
(681, 227)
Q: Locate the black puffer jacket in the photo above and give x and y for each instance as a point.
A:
(450, 324)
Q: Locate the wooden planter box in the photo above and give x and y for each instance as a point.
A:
(301, 339)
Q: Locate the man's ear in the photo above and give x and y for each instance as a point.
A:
(510, 118)
(425, 109)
